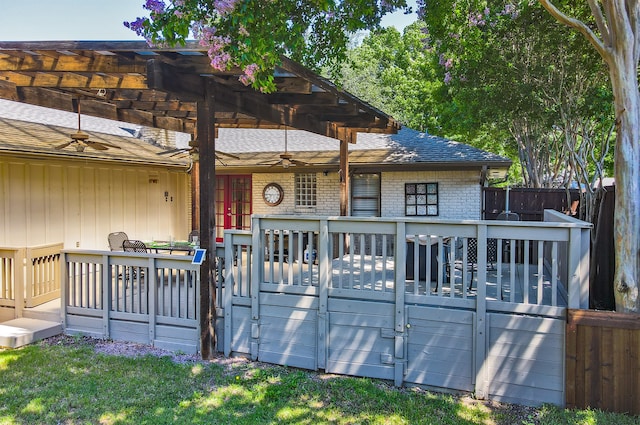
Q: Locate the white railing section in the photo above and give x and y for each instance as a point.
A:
(10, 258)
(526, 263)
(43, 274)
(29, 276)
(145, 288)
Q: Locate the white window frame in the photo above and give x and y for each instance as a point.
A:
(305, 190)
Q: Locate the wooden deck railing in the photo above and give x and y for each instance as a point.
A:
(533, 263)
(29, 276)
(463, 305)
(146, 298)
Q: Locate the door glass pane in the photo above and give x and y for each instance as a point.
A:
(220, 206)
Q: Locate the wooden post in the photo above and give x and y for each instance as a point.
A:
(207, 173)
(344, 177)
(195, 194)
(400, 320)
(481, 325)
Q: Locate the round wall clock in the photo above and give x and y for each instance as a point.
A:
(272, 194)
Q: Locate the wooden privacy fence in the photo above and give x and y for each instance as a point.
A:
(603, 361)
(345, 295)
(528, 203)
(29, 276)
(144, 298)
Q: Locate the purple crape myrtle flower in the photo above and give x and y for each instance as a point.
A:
(220, 59)
(224, 7)
(421, 8)
(249, 74)
(137, 25)
(476, 20)
(155, 6)
(510, 10)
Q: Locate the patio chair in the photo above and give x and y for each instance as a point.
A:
(116, 239)
(508, 216)
(472, 255)
(134, 246)
(193, 233)
(506, 244)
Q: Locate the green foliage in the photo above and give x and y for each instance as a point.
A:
(395, 73)
(511, 70)
(252, 34)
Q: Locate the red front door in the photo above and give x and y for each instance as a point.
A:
(233, 204)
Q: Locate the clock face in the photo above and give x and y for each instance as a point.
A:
(272, 194)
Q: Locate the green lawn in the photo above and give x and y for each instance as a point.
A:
(68, 382)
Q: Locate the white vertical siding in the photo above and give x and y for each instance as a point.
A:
(79, 202)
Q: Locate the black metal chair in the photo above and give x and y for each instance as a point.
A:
(472, 254)
(508, 216)
(116, 239)
(134, 246)
(193, 233)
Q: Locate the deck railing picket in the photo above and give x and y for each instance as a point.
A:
(525, 266)
(554, 274)
(351, 260)
(384, 263)
(540, 273)
(374, 259)
(512, 270)
(500, 289)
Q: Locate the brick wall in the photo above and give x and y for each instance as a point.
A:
(327, 200)
(459, 193)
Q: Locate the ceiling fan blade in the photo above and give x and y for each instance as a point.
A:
(96, 145)
(64, 145)
(104, 144)
(267, 162)
(172, 151)
(227, 154)
(297, 162)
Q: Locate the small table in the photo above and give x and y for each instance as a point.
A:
(179, 246)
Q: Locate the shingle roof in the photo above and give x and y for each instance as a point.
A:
(35, 130)
(255, 147)
(406, 147)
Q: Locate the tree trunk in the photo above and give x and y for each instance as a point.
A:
(624, 80)
(617, 22)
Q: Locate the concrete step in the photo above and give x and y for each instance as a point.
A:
(49, 311)
(23, 331)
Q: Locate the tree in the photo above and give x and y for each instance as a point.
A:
(510, 70)
(251, 35)
(396, 74)
(614, 32)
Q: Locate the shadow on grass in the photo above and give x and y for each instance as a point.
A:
(69, 382)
